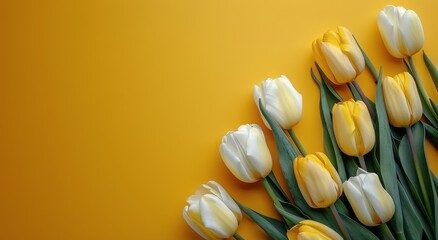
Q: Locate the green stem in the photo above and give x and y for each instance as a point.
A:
(339, 221)
(362, 163)
(274, 198)
(410, 136)
(297, 142)
(238, 237)
(364, 99)
(368, 63)
(271, 192)
(388, 232)
(420, 86)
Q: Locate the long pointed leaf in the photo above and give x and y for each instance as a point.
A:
(432, 134)
(432, 69)
(329, 136)
(386, 156)
(286, 155)
(274, 228)
(357, 231)
(275, 186)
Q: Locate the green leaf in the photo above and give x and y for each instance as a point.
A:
(426, 110)
(413, 220)
(286, 155)
(291, 213)
(357, 231)
(432, 69)
(332, 149)
(368, 62)
(354, 92)
(425, 194)
(275, 186)
(275, 229)
(432, 134)
(386, 156)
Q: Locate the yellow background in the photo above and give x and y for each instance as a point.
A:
(111, 112)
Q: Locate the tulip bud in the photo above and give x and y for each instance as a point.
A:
(369, 200)
(212, 213)
(317, 179)
(401, 31)
(353, 128)
(339, 56)
(310, 230)
(281, 101)
(246, 153)
(402, 101)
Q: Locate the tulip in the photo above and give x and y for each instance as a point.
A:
(311, 230)
(339, 56)
(212, 213)
(317, 179)
(281, 100)
(246, 153)
(370, 201)
(401, 31)
(353, 128)
(402, 101)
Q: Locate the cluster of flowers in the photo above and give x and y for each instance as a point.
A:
(351, 130)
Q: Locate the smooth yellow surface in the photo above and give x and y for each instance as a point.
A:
(112, 112)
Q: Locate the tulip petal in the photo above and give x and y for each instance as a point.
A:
(344, 129)
(350, 48)
(377, 196)
(320, 59)
(412, 97)
(258, 94)
(395, 103)
(411, 32)
(257, 152)
(217, 217)
(320, 186)
(219, 191)
(388, 31)
(196, 225)
(338, 63)
(361, 207)
(365, 137)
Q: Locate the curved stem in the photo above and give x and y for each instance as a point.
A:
(410, 136)
(297, 142)
(387, 231)
(339, 221)
(238, 237)
(274, 198)
(362, 163)
(421, 87)
(364, 99)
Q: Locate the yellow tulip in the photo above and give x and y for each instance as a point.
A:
(212, 213)
(339, 56)
(369, 200)
(353, 128)
(312, 230)
(317, 179)
(402, 101)
(401, 31)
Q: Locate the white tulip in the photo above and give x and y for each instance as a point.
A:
(212, 213)
(246, 153)
(401, 31)
(281, 100)
(370, 201)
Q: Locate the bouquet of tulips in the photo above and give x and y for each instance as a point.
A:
(372, 182)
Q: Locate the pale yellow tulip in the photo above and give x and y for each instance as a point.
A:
(317, 179)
